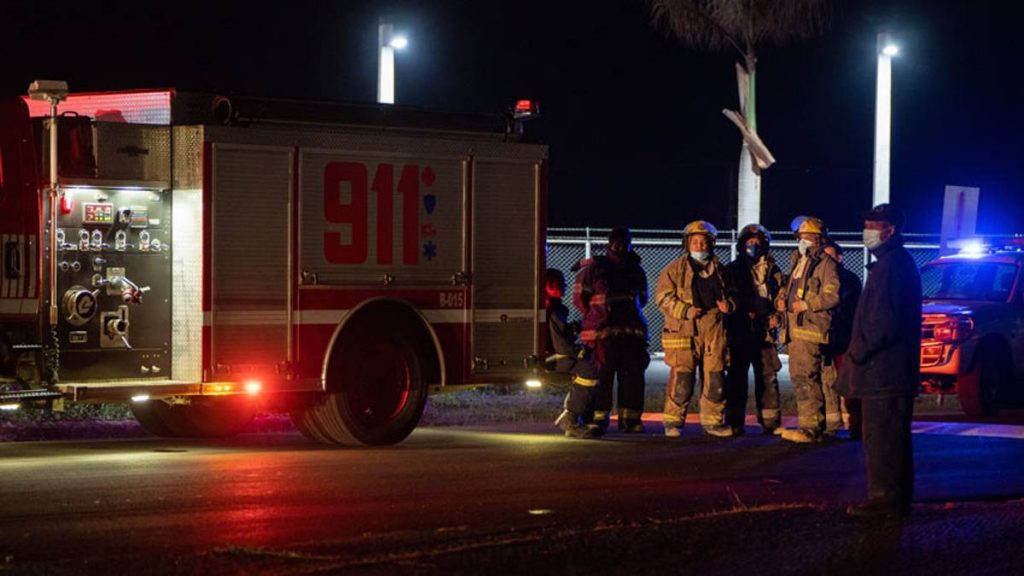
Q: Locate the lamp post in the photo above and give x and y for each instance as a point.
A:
(883, 118)
(387, 43)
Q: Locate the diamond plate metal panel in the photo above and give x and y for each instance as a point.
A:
(187, 285)
(187, 160)
(133, 152)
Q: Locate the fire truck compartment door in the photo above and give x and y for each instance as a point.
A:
(505, 263)
(370, 215)
(250, 231)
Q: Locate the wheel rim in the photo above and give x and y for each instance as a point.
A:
(383, 383)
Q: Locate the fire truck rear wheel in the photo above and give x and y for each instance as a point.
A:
(377, 393)
(979, 389)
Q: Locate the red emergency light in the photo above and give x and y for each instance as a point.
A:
(525, 109)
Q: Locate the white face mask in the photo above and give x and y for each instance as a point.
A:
(872, 239)
(804, 246)
(700, 256)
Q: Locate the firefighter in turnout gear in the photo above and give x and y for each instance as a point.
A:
(695, 295)
(752, 331)
(611, 291)
(810, 299)
(840, 412)
(565, 356)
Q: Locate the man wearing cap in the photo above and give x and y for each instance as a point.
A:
(809, 299)
(881, 367)
(752, 331)
(611, 292)
(695, 294)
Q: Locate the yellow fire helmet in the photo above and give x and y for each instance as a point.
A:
(808, 225)
(700, 227)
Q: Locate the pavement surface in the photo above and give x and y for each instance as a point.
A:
(504, 499)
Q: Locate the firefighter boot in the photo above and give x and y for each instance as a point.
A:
(801, 436)
(569, 423)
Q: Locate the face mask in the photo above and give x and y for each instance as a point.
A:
(700, 256)
(804, 246)
(872, 239)
(753, 251)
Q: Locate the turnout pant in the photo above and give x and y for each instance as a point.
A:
(888, 451)
(839, 412)
(624, 357)
(805, 367)
(705, 350)
(763, 356)
(580, 399)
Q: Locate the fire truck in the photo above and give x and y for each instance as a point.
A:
(203, 257)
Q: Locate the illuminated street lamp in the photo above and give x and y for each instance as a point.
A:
(883, 119)
(387, 43)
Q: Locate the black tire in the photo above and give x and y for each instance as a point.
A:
(204, 417)
(376, 392)
(154, 416)
(979, 389)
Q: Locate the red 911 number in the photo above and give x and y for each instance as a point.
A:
(355, 213)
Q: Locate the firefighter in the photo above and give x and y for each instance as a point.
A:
(752, 331)
(610, 292)
(809, 299)
(566, 357)
(694, 294)
(840, 412)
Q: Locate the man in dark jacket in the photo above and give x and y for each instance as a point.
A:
(882, 364)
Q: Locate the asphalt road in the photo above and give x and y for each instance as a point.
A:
(502, 500)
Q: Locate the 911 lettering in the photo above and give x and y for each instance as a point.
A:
(355, 212)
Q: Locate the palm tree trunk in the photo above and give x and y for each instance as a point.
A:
(748, 203)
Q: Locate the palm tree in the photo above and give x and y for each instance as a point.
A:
(743, 26)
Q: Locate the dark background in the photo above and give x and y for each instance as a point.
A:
(632, 116)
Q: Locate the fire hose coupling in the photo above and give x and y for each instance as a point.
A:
(115, 328)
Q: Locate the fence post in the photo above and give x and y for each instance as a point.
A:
(867, 260)
(586, 250)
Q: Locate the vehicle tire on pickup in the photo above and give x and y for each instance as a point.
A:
(979, 388)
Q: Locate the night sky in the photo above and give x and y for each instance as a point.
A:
(632, 116)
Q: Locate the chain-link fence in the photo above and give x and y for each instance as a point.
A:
(657, 248)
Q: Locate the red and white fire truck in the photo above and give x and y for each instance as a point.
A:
(201, 256)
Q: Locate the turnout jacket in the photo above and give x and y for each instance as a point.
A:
(674, 296)
(818, 286)
(611, 295)
(755, 302)
(885, 348)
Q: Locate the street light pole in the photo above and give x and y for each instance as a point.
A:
(385, 64)
(883, 119)
(387, 43)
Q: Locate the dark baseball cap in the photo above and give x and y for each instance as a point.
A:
(885, 213)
